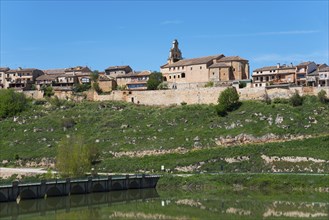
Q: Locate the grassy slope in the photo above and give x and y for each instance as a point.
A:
(166, 128)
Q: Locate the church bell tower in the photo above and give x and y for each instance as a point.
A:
(175, 54)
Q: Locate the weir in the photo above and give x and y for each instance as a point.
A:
(20, 191)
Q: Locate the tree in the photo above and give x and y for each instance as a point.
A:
(75, 157)
(322, 96)
(94, 75)
(97, 88)
(154, 80)
(11, 103)
(228, 100)
(296, 99)
(47, 91)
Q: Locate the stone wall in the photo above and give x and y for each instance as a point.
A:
(201, 95)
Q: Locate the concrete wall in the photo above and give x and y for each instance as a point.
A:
(201, 95)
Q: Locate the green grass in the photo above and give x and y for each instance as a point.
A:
(100, 123)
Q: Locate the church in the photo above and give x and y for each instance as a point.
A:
(182, 73)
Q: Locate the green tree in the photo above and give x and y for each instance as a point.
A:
(75, 157)
(94, 75)
(228, 100)
(47, 91)
(322, 96)
(97, 88)
(11, 103)
(154, 80)
(296, 99)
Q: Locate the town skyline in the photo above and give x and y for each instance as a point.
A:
(48, 35)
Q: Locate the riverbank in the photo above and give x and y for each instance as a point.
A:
(255, 182)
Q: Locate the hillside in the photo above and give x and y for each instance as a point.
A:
(184, 138)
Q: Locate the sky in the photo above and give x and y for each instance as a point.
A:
(98, 34)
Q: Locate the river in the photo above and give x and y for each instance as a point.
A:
(153, 204)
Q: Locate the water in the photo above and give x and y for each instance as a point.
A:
(150, 204)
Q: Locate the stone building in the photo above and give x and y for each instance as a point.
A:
(301, 74)
(114, 71)
(279, 74)
(21, 79)
(324, 76)
(3, 71)
(186, 73)
(134, 80)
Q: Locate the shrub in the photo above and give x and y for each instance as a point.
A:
(267, 99)
(74, 157)
(322, 96)
(11, 103)
(81, 87)
(97, 88)
(47, 91)
(296, 99)
(209, 84)
(154, 81)
(228, 101)
(242, 85)
(163, 85)
(280, 101)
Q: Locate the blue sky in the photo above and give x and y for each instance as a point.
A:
(60, 34)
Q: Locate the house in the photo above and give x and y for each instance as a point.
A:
(324, 76)
(134, 80)
(279, 74)
(215, 68)
(83, 73)
(49, 78)
(65, 81)
(106, 83)
(115, 71)
(3, 71)
(303, 70)
(21, 78)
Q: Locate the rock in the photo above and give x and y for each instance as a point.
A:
(307, 126)
(278, 119)
(124, 126)
(149, 125)
(97, 141)
(5, 162)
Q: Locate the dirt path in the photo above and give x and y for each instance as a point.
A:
(7, 172)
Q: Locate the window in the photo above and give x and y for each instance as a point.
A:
(174, 76)
(200, 67)
(178, 76)
(169, 77)
(213, 73)
(169, 68)
(182, 67)
(183, 75)
(164, 78)
(191, 68)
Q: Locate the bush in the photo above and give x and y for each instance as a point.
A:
(154, 81)
(322, 96)
(11, 103)
(267, 99)
(280, 101)
(296, 99)
(81, 87)
(209, 84)
(162, 86)
(97, 88)
(228, 101)
(47, 91)
(75, 157)
(242, 85)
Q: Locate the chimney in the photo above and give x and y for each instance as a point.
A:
(278, 65)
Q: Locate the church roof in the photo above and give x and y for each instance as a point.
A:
(194, 61)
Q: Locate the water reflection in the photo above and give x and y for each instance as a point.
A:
(147, 204)
(68, 203)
